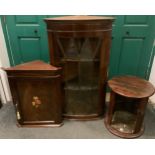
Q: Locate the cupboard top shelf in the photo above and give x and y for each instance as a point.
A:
(79, 18)
(83, 25)
(34, 65)
(131, 86)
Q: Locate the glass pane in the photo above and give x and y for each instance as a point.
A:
(81, 74)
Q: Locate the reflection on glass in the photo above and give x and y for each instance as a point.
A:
(81, 73)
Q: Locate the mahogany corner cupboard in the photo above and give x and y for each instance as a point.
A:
(36, 92)
(81, 46)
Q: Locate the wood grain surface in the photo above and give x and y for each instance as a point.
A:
(131, 86)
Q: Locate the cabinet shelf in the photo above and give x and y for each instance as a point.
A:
(81, 88)
(75, 85)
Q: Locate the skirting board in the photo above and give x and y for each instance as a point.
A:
(5, 93)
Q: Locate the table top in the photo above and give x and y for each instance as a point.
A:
(33, 65)
(131, 86)
(80, 18)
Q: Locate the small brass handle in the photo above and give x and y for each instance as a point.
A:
(36, 101)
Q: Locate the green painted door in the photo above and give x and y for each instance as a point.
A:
(27, 38)
(131, 51)
(132, 40)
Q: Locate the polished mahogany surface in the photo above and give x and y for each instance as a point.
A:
(131, 86)
(126, 110)
(81, 46)
(80, 18)
(36, 93)
(34, 65)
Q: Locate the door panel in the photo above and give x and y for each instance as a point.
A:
(27, 46)
(28, 88)
(132, 40)
(129, 59)
(136, 19)
(131, 46)
(28, 38)
(26, 19)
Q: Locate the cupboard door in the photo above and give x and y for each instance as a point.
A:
(39, 99)
(79, 58)
(27, 38)
(131, 52)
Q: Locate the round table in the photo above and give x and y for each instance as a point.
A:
(128, 99)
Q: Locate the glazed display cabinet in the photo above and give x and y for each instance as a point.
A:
(81, 46)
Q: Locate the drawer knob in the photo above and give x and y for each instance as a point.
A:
(36, 101)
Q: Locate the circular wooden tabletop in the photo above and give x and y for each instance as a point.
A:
(131, 86)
